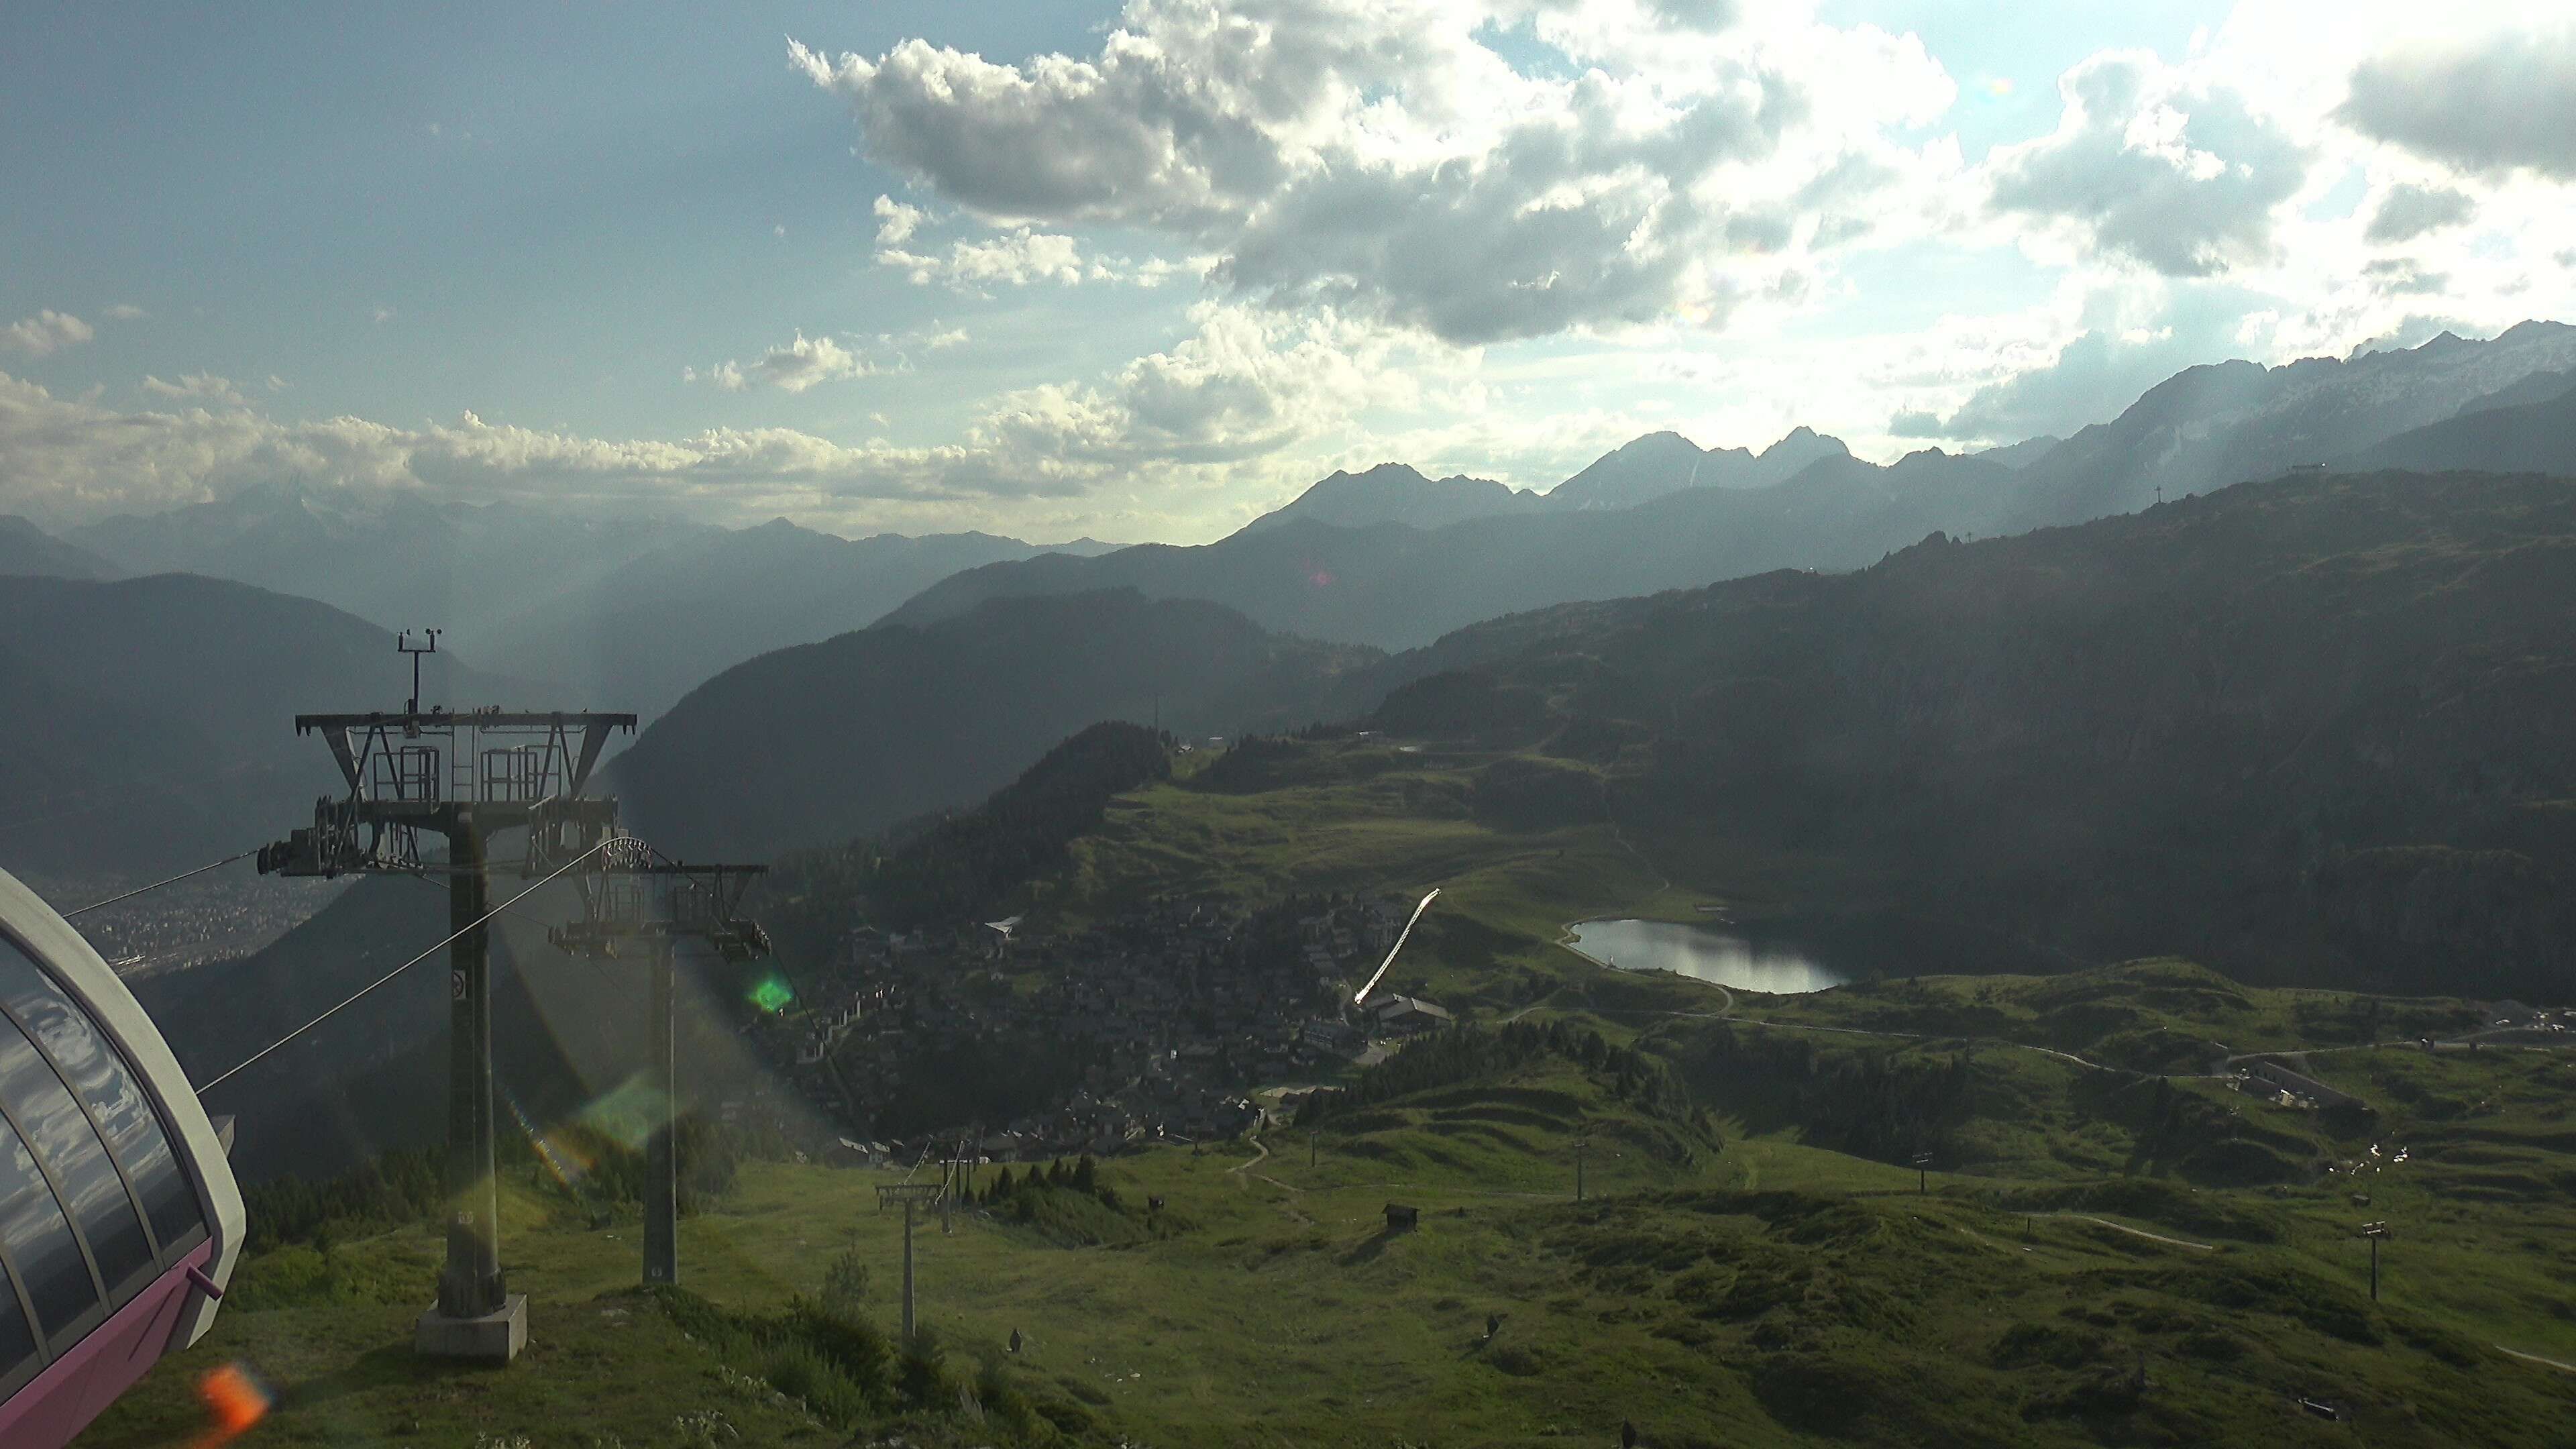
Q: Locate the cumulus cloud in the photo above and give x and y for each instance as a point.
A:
(45, 332)
(724, 376)
(203, 387)
(2409, 211)
(2150, 165)
(1016, 259)
(1382, 160)
(1242, 384)
(2092, 379)
(126, 312)
(896, 222)
(790, 367)
(2404, 277)
(2506, 101)
(2088, 358)
(70, 459)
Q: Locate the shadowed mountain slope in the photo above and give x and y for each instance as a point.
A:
(824, 742)
(27, 549)
(150, 723)
(2537, 436)
(610, 612)
(2307, 727)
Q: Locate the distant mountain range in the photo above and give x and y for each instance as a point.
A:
(150, 723)
(633, 612)
(1397, 587)
(2527, 428)
(1639, 471)
(1396, 493)
(1354, 567)
(659, 625)
(2222, 423)
(1661, 463)
(27, 549)
(146, 717)
(612, 612)
(821, 743)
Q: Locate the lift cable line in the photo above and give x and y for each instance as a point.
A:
(158, 884)
(254, 1057)
(1360, 998)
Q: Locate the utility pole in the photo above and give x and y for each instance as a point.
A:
(467, 777)
(2374, 1232)
(909, 1194)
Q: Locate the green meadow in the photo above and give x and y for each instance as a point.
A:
(2107, 1242)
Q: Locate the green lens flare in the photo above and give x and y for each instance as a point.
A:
(772, 994)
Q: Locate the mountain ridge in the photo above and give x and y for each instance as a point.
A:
(131, 740)
(820, 743)
(27, 549)
(622, 612)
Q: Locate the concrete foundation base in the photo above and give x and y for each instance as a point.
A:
(493, 1338)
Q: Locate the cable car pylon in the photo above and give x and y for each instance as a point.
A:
(635, 902)
(471, 776)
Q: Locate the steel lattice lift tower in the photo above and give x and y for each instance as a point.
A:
(911, 1195)
(634, 901)
(468, 777)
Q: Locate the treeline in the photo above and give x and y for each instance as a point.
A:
(828, 1353)
(1067, 1203)
(406, 1185)
(971, 861)
(1082, 1176)
(603, 1171)
(397, 1187)
(1254, 763)
(1473, 1053)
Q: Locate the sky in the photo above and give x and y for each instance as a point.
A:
(1144, 271)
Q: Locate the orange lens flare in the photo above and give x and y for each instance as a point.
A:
(237, 1400)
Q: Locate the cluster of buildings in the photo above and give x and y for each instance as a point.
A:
(215, 918)
(1155, 1026)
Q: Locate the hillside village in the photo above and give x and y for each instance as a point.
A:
(1165, 1020)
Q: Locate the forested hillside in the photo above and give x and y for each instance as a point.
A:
(2299, 727)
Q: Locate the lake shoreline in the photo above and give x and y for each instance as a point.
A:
(1721, 953)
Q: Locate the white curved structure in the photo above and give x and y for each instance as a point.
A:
(119, 1217)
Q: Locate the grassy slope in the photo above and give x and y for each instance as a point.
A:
(1772, 1292)
(1763, 1294)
